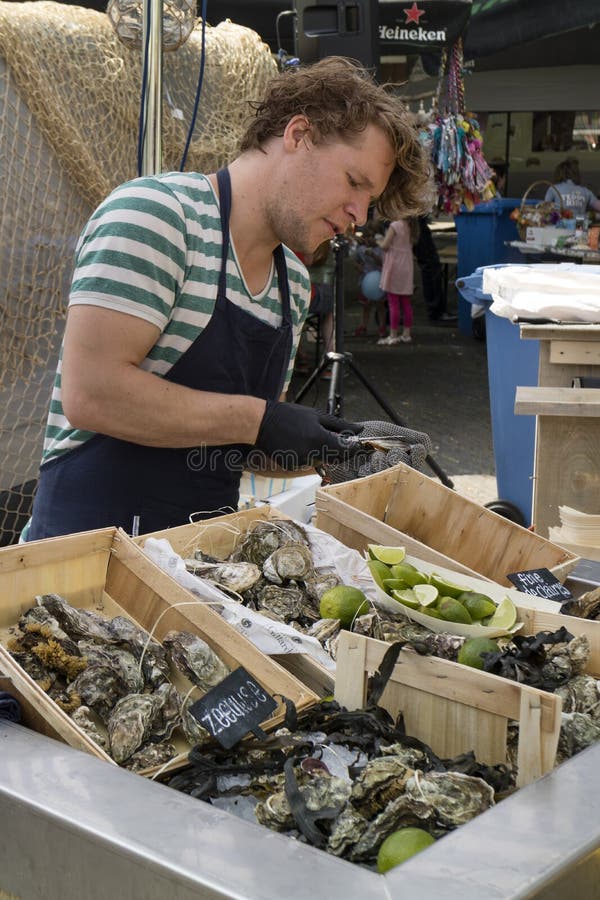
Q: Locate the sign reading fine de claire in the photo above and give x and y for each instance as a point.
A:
(424, 25)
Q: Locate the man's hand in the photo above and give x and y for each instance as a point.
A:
(293, 436)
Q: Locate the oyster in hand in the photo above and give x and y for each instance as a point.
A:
(195, 659)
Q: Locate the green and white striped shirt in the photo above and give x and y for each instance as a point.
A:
(153, 249)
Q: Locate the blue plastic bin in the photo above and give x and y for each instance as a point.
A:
(511, 362)
(481, 237)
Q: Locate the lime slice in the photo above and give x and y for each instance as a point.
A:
(426, 594)
(505, 615)
(409, 574)
(380, 573)
(446, 588)
(388, 555)
(479, 606)
(407, 598)
(396, 584)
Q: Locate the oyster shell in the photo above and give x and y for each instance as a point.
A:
(284, 603)
(238, 577)
(346, 831)
(195, 659)
(35, 668)
(39, 620)
(324, 629)
(319, 582)
(129, 725)
(319, 792)
(382, 779)
(582, 695)
(123, 661)
(149, 756)
(167, 712)
(194, 733)
(292, 562)
(577, 731)
(82, 716)
(100, 687)
(78, 623)
(263, 538)
(402, 812)
(455, 798)
(155, 666)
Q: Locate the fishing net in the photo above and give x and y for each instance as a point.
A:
(69, 117)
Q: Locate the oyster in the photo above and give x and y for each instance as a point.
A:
(402, 812)
(319, 792)
(565, 660)
(100, 687)
(263, 538)
(582, 695)
(78, 623)
(39, 620)
(149, 756)
(292, 562)
(129, 725)
(319, 582)
(324, 629)
(455, 798)
(284, 603)
(195, 659)
(577, 731)
(366, 624)
(35, 668)
(346, 831)
(238, 577)
(155, 666)
(194, 732)
(382, 780)
(124, 662)
(167, 712)
(82, 716)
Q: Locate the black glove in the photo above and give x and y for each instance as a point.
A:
(292, 435)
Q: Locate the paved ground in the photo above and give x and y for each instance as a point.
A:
(437, 384)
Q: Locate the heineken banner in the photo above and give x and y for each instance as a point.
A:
(420, 25)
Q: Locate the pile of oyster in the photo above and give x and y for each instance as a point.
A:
(113, 680)
(343, 781)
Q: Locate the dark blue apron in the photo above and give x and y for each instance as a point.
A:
(106, 481)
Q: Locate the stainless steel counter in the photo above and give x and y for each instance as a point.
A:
(76, 827)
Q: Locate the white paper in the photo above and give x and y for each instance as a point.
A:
(564, 291)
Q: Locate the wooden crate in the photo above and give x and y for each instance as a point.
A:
(402, 506)
(106, 572)
(454, 708)
(219, 537)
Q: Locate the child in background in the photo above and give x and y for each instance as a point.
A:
(368, 257)
(397, 278)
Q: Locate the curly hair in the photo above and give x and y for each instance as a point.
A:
(567, 170)
(340, 99)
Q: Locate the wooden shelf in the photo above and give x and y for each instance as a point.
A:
(557, 401)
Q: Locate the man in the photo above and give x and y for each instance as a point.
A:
(186, 308)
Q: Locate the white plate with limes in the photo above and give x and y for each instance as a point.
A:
(424, 593)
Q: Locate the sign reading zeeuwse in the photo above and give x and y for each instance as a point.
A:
(421, 26)
(237, 705)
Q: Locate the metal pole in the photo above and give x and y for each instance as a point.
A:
(152, 119)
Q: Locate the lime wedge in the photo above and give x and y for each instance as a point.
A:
(406, 597)
(396, 584)
(426, 594)
(409, 574)
(446, 588)
(388, 555)
(380, 573)
(505, 615)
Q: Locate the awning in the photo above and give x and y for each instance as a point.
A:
(497, 25)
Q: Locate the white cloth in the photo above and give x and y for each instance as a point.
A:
(564, 291)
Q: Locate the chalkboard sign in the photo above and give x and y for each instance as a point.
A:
(234, 707)
(540, 583)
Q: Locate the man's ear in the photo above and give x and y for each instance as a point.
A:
(297, 134)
